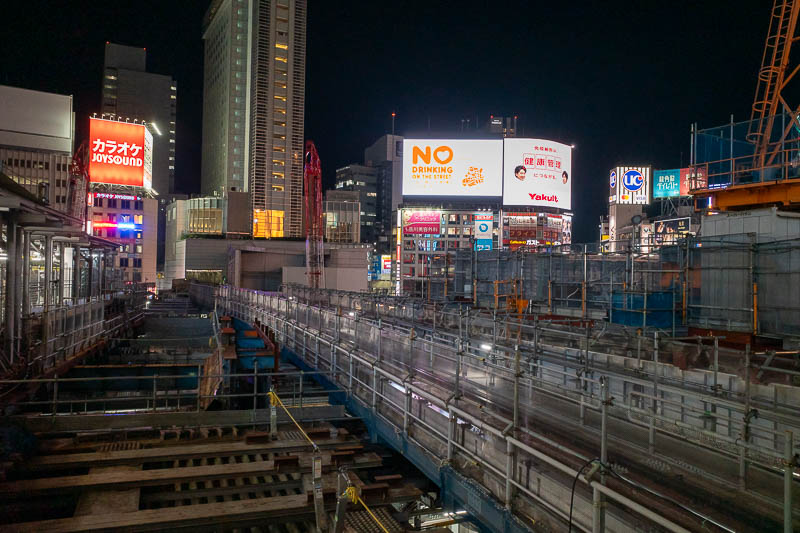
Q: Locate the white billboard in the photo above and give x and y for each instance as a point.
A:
(537, 172)
(448, 167)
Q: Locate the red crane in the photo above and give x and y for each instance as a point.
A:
(312, 180)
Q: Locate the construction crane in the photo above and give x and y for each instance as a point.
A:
(312, 181)
(773, 77)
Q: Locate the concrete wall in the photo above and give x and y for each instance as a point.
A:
(768, 224)
(343, 279)
(36, 120)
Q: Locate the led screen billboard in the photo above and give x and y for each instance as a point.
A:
(537, 172)
(120, 153)
(450, 167)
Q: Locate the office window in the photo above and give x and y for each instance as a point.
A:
(137, 263)
(138, 248)
(112, 203)
(126, 204)
(123, 261)
(139, 205)
(98, 202)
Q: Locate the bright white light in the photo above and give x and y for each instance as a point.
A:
(351, 313)
(485, 347)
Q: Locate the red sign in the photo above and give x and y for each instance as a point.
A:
(121, 153)
(693, 178)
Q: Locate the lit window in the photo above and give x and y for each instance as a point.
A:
(280, 97)
(267, 223)
(173, 97)
(281, 59)
(277, 187)
(278, 175)
(282, 46)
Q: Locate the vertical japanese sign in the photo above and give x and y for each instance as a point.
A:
(120, 153)
(484, 223)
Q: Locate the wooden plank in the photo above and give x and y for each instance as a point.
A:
(169, 453)
(122, 480)
(192, 515)
(163, 476)
(109, 501)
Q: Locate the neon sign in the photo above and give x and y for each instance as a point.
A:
(118, 225)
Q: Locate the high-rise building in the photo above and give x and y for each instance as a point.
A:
(386, 156)
(363, 180)
(37, 133)
(130, 92)
(253, 108)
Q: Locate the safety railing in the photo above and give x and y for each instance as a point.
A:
(131, 394)
(488, 383)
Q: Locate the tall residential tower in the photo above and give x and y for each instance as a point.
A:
(253, 106)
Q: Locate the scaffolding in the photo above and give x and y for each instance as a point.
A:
(730, 283)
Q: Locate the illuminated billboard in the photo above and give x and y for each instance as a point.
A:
(120, 153)
(629, 185)
(484, 225)
(678, 182)
(537, 172)
(422, 222)
(449, 167)
(666, 183)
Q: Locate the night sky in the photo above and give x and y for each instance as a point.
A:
(621, 80)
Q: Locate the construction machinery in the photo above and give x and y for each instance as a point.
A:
(312, 180)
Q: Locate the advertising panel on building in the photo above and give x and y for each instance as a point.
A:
(629, 185)
(386, 264)
(666, 232)
(667, 183)
(484, 223)
(693, 178)
(678, 182)
(537, 172)
(422, 222)
(449, 167)
(121, 153)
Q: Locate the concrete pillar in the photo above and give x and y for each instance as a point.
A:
(11, 283)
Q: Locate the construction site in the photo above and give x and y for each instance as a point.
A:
(624, 385)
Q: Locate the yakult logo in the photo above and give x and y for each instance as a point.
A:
(544, 197)
(113, 153)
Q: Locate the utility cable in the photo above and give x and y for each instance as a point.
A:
(572, 495)
(352, 494)
(276, 401)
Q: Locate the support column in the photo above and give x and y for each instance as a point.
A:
(788, 472)
(48, 269)
(11, 284)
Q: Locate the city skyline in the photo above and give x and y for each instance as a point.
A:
(608, 82)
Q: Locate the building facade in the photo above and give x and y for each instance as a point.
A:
(37, 133)
(386, 156)
(342, 212)
(130, 220)
(253, 109)
(130, 92)
(364, 181)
